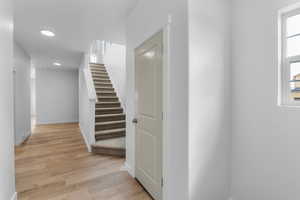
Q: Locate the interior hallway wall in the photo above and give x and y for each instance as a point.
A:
(265, 137)
(56, 96)
(22, 93)
(33, 98)
(115, 62)
(7, 169)
(147, 18)
(209, 99)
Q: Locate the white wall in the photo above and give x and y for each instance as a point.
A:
(56, 96)
(22, 85)
(265, 137)
(33, 90)
(33, 97)
(115, 62)
(209, 99)
(87, 100)
(96, 52)
(7, 180)
(147, 18)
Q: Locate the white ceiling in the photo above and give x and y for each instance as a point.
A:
(76, 24)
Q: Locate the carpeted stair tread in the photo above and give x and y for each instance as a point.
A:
(113, 93)
(102, 71)
(115, 143)
(110, 115)
(104, 88)
(108, 123)
(93, 70)
(113, 108)
(110, 134)
(110, 131)
(102, 84)
(100, 76)
(108, 97)
(100, 79)
(108, 103)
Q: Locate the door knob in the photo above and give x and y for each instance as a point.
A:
(135, 121)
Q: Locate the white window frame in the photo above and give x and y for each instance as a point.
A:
(284, 92)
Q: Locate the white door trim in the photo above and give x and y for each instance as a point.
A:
(166, 95)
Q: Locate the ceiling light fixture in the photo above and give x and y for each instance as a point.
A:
(47, 33)
(56, 64)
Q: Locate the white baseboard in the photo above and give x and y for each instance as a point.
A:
(15, 196)
(24, 137)
(56, 122)
(129, 169)
(29, 133)
(18, 142)
(88, 146)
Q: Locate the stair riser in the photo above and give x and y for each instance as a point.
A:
(110, 136)
(106, 94)
(96, 64)
(97, 67)
(102, 73)
(101, 81)
(109, 119)
(98, 71)
(100, 76)
(103, 112)
(109, 126)
(106, 89)
(109, 152)
(99, 84)
(108, 99)
(108, 105)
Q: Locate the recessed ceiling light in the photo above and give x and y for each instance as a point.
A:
(47, 33)
(56, 64)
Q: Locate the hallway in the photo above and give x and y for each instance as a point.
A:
(55, 165)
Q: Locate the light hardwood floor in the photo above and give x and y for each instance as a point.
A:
(55, 165)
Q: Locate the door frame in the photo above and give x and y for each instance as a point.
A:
(14, 75)
(166, 31)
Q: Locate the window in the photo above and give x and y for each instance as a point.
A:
(289, 87)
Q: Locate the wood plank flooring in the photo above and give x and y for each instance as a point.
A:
(53, 164)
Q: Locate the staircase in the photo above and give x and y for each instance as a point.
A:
(109, 117)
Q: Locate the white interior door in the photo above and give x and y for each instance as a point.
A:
(148, 72)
